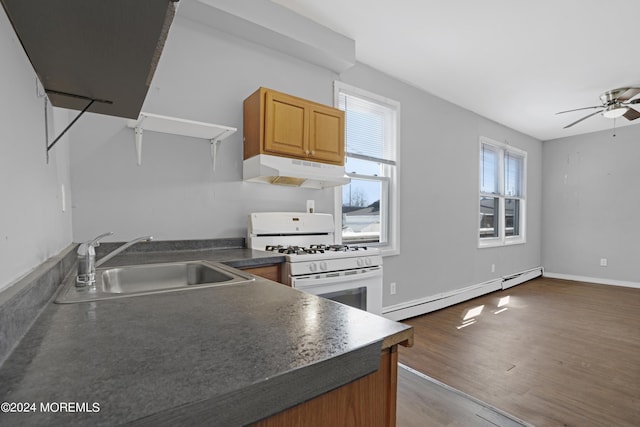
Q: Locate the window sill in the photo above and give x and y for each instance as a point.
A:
(389, 251)
(500, 243)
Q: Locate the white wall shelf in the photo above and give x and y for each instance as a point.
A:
(175, 126)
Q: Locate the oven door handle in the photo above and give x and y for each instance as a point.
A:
(310, 282)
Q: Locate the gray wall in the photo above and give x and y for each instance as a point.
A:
(591, 205)
(32, 224)
(439, 171)
(589, 209)
(204, 75)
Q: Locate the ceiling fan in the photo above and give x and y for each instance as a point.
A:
(615, 103)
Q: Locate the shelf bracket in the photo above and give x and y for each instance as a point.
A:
(139, 131)
(46, 115)
(214, 153)
(50, 146)
(215, 143)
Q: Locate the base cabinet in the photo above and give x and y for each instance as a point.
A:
(366, 402)
(271, 272)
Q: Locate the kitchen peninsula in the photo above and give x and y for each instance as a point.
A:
(227, 355)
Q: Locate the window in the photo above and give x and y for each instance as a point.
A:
(502, 194)
(367, 208)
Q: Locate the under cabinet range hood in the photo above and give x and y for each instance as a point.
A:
(270, 169)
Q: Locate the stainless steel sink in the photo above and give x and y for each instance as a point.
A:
(143, 279)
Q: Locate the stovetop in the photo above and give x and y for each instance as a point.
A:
(313, 249)
(330, 253)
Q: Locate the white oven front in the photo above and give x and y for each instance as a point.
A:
(360, 288)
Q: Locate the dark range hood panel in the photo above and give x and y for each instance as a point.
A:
(93, 49)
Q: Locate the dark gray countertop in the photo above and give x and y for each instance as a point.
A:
(234, 257)
(216, 356)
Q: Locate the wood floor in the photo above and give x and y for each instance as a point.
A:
(550, 352)
(424, 402)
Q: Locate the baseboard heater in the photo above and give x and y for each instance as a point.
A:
(421, 306)
(516, 279)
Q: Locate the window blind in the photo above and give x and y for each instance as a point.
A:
(513, 174)
(368, 128)
(489, 169)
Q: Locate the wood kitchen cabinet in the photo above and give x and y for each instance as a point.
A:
(279, 124)
(367, 402)
(271, 272)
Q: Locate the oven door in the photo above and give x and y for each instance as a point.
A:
(360, 288)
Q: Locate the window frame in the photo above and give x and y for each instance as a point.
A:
(502, 239)
(390, 224)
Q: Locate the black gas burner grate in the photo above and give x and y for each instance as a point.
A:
(289, 250)
(312, 249)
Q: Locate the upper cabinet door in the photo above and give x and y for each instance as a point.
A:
(279, 124)
(286, 125)
(326, 139)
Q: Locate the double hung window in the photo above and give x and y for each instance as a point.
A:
(502, 194)
(366, 209)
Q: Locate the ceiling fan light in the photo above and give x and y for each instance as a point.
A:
(615, 111)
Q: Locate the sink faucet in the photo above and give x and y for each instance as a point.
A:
(87, 258)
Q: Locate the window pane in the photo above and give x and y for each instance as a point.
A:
(488, 169)
(512, 217)
(513, 174)
(489, 208)
(361, 218)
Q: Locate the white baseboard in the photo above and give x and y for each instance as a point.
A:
(597, 280)
(431, 303)
(436, 302)
(516, 279)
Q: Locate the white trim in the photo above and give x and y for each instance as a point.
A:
(516, 279)
(436, 302)
(339, 86)
(503, 239)
(392, 247)
(431, 303)
(597, 280)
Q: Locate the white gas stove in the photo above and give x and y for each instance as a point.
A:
(315, 264)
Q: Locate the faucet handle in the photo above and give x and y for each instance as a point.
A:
(96, 242)
(88, 246)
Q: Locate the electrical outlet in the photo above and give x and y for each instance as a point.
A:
(392, 288)
(603, 262)
(493, 268)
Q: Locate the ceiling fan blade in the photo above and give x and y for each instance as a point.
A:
(629, 93)
(635, 101)
(584, 118)
(631, 114)
(578, 109)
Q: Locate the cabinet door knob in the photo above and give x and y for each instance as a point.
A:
(313, 152)
(307, 152)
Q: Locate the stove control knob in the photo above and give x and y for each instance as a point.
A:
(313, 267)
(323, 266)
(360, 262)
(367, 261)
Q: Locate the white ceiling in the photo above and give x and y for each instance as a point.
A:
(515, 62)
